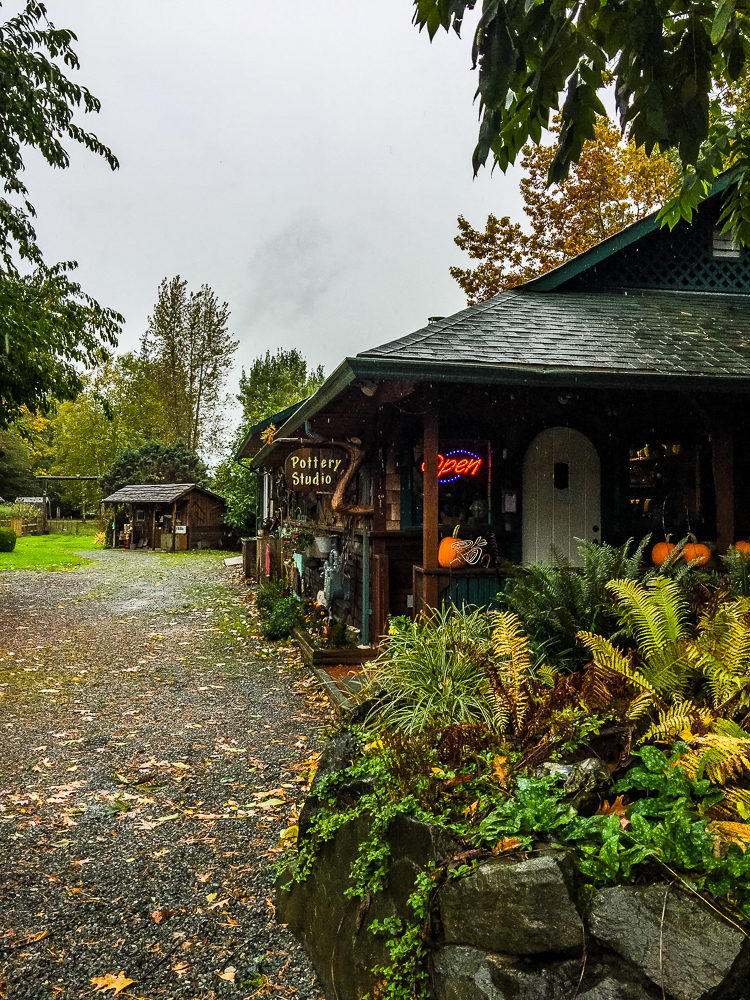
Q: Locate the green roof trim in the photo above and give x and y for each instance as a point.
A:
(550, 281)
(256, 429)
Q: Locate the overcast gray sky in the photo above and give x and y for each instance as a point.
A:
(306, 160)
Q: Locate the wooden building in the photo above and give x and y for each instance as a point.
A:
(603, 400)
(172, 516)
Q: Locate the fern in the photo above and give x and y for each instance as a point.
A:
(555, 602)
(723, 759)
(512, 674)
(737, 567)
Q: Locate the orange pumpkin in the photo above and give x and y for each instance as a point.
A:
(697, 553)
(448, 552)
(662, 552)
(744, 548)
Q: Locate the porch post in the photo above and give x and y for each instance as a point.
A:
(722, 445)
(174, 524)
(430, 506)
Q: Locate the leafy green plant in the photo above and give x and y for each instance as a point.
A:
(430, 673)
(284, 617)
(555, 602)
(268, 595)
(339, 635)
(668, 824)
(737, 567)
(7, 539)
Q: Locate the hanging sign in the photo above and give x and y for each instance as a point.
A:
(314, 470)
(457, 464)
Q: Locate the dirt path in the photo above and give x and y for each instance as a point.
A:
(152, 751)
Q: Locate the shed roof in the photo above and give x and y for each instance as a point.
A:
(156, 493)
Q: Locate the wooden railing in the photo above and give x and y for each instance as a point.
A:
(464, 587)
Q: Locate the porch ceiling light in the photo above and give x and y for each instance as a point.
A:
(369, 388)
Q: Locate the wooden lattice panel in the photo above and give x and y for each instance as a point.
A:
(681, 260)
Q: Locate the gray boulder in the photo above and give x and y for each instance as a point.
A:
(334, 930)
(692, 954)
(413, 845)
(514, 907)
(585, 783)
(461, 973)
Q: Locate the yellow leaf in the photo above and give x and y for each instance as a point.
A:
(111, 982)
(731, 833)
(229, 973)
(290, 833)
(211, 896)
(500, 771)
(506, 844)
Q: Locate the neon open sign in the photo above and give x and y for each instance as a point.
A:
(457, 464)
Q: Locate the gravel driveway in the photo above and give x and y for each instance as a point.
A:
(152, 751)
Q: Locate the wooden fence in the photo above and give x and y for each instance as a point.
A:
(25, 525)
(70, 526)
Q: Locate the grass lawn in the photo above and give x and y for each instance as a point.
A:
(47, 552)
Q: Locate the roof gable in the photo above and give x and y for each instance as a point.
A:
(156, 493)
(647, 254)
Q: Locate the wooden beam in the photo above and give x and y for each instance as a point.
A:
(431, 441)
(722, 457)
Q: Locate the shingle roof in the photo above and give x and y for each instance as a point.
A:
(649, 333)
(152, 493)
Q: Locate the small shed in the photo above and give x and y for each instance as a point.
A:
(173, 516)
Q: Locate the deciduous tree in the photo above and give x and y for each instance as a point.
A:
(276, 381)
(117, 407)
(669, 63)
(49, 327)
(612, 184)
(191, 351)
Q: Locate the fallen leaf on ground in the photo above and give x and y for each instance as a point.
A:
(158, 915)
(229, 973)
(111, 982)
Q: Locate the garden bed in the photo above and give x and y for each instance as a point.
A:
(315, 656)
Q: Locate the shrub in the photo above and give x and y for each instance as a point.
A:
(431, 671)
(269, 594)
(284, 617)
(7, 539)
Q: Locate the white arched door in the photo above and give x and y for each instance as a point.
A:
(561, 495)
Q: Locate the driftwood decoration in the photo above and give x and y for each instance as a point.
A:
(356, 455)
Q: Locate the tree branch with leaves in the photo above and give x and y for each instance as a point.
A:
(670, 63)
(49, 327)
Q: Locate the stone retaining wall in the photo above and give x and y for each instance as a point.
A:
(516, 928)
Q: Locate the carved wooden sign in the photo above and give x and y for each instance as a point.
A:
(314, 470)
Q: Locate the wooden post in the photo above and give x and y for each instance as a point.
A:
(153, 529)
(430, 506)
(380, 601)
(722, 445)
(174, 524)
